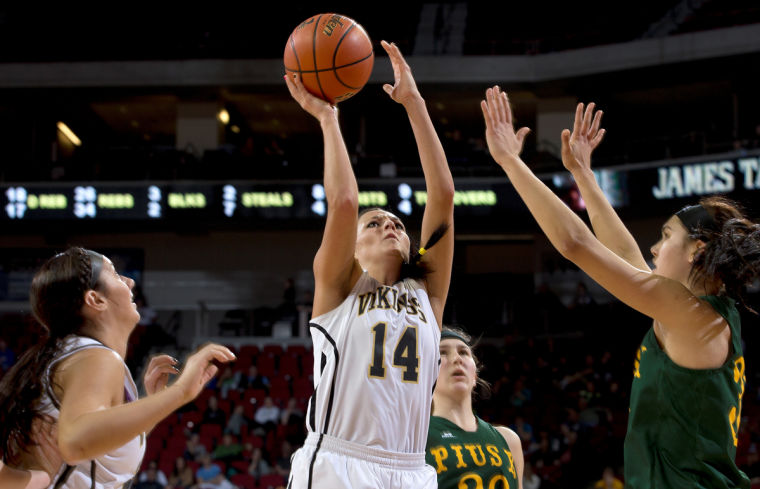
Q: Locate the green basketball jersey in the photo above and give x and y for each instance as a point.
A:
(479, 459)
(683, 423)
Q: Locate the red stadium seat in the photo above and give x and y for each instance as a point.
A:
(211, 431)
(240, 466)
(225, 406)
(289, 366)
(296, 350)
(266, 365)
(271, 481)
(302, 388)
(191, 420)
(234, 396)
(250, 351)
(275, 350)
(244, 481)
(255, 441)
(307, 365)
(166, 464)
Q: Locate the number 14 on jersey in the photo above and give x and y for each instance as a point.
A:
(405, 354)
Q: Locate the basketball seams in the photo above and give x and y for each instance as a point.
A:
(334, 68)
(314, 57)
(295, 53)
(335, 55)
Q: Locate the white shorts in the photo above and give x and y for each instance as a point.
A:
(325, 462)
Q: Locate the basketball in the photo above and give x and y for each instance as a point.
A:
(332, 55)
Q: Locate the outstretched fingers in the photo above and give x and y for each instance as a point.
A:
(578, 122)
(505, 111)
(587, 117)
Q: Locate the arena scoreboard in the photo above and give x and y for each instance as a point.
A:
(636, 191)
(223, 201)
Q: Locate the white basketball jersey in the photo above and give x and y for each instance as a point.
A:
(109, 471)
(376, 362)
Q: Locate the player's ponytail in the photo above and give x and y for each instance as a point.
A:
(416, 268)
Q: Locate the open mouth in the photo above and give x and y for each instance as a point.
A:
(459, 374)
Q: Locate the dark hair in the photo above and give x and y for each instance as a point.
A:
(415, 268)
(732, 249)
(56, 297)
(483, 388)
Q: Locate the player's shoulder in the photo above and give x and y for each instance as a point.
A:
(92, 359)
(509, 435)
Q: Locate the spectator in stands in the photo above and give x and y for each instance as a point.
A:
(226, 382)
(237, 421)
(152, 478)
(521, 394)
(523, 429)
(268, 415)
(253, 380)
(258, 465)
(213, 414)
(292, 414)
(608, 480)
(209, 475)
(182, 476)
(194, 449)
(228, 450)
(153, 471)
(531, 480)
(282, 464)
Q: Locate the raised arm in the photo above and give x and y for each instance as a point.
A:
(439, 209)
(93, 421)
(335, 268)
(576, 156)
(661, 298)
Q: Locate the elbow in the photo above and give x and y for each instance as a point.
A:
(345, 203)
(447, 192)
(571, 246)
(442, 195)
(71, 452)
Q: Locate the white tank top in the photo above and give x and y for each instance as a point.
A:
(376, 362)
(109, 471)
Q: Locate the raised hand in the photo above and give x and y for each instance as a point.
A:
(404, 88)
(157, 374)
(199, 369)
(311, 104)
(503, 141)
(586, 136)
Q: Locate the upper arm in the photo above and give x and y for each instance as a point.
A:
(440, 257)
(515, 446)
(666, 300)
(335, 267)
(89, 381)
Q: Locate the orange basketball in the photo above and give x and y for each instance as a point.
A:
(332, 55)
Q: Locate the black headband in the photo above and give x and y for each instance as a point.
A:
(696, 218)
(448, 334)
(96, 266)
